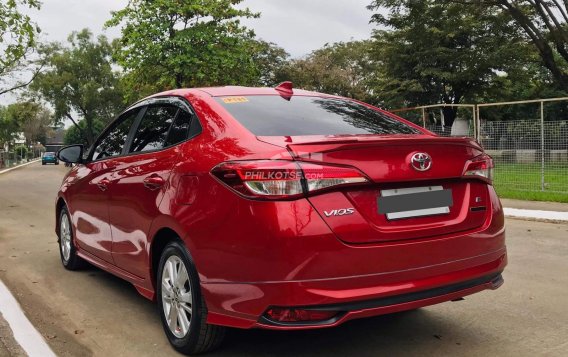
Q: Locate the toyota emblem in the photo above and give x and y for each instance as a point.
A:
(421, 161)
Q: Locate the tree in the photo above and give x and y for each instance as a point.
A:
(438, 52)
(30, 118)
(545, 23)
(8, 127)
(269, 59)
(27, 117)
(343, 68)
(80, 82)
(17, 42)
(168, 43)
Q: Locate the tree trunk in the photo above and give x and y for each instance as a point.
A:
(179, 80)
(88, 138)
(450, 114)
(90, 132)
(539, 40)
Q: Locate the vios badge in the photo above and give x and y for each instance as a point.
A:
(421, 161)
(339, 212)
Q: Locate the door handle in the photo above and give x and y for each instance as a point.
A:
(153, 182)
(103, 184)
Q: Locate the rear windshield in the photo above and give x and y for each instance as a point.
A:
(49, 154)
(277, 116)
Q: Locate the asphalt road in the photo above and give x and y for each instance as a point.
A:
(93, 313)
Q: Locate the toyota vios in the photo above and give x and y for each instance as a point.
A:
(280, 209)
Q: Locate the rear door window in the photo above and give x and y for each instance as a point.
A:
(154, 127)
(277, 116)
(180, 129)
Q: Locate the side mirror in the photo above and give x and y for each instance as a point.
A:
(72, 154)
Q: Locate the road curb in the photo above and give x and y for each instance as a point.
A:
(17, 167)
(25, 334)
(536, 215)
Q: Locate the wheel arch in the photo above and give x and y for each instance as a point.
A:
(58, 208)
(160, 240)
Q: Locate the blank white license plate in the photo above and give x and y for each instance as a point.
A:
(415, 202)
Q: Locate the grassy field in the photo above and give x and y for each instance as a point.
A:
(523, 181)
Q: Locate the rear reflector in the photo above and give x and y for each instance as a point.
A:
(279, 179)
(298, 315)
(480, 167)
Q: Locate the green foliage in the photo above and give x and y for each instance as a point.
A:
(344, 68)
(168, 43)
(17, 39)
(544, 23)
(8, 127)
(27, 117)
(440, 52)
(80, 80)
(31, 118)
(269, 59)
(21, 151)
(73, 134)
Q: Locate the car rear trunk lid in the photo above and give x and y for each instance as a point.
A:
(357, 215)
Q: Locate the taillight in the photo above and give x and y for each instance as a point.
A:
(321, 177)
(279, 179)
(480, 167)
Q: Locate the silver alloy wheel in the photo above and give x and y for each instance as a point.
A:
(65, 237)
(176, 296)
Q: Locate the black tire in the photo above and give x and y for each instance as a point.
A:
(70, 261)
(200, 337)
(56, 163)
(43, 163)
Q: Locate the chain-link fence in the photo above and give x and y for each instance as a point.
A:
(528, 140)
(462, 121)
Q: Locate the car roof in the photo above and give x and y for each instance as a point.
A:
(237, 90)
(234, 91)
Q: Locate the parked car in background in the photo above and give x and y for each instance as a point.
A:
(49, 158)
(279, 209)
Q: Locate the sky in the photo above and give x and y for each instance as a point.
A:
(299, 26)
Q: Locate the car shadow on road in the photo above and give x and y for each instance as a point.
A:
(418, 332)
(407, 333)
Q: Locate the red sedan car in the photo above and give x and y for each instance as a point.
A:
(280, 209)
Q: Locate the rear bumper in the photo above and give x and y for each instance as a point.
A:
(282, 254)
(243, 305)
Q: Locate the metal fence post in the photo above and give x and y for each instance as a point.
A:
(424, 117)
(542, 146)
(476, 123)
(473, 118)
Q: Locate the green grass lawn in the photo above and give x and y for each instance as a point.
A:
(523, 181)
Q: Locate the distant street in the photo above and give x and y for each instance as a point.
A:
(93, 313)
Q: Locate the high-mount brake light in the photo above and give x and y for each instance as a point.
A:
(480, 167)
(280, 179)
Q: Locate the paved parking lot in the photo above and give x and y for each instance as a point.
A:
(94, 313)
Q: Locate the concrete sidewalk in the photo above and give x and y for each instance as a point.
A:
(541, 211)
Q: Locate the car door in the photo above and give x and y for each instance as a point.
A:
(88, 203)
(139, 182)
